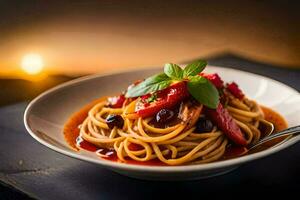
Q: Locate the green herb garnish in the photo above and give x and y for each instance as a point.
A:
(194, 68)
(199, 87)
(151, 84)
(203, 91)
(173, 71)
(152, 98)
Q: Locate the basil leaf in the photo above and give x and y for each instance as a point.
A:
(151, 84)
(203, 91)
(173, 71)
(194, 68)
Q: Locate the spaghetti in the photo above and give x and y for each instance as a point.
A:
(173, 145)
(178, 117)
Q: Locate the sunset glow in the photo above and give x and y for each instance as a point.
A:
(32, 64)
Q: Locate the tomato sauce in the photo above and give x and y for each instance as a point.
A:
(279, 124)
(71, 129)
(72, 137)
(270, 115)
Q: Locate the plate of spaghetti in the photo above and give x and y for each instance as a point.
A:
(168, 123)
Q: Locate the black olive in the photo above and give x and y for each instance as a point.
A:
(114, 120)
(164, 115)
(204, 125)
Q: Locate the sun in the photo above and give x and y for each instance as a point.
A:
(32, 64)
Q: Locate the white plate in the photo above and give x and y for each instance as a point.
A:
(46, 115)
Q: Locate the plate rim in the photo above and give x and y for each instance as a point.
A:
(165, 169)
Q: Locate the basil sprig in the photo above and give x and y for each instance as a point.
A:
(194, 68)
(151, 84)
(199, 87)
(203, 91)
(173, 71)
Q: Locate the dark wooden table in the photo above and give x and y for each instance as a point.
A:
(30, 170)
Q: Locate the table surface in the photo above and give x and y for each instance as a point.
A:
(39, 172)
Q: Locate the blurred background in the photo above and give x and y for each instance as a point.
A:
(43, 43)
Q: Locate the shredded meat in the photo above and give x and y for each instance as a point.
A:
(189, 113)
